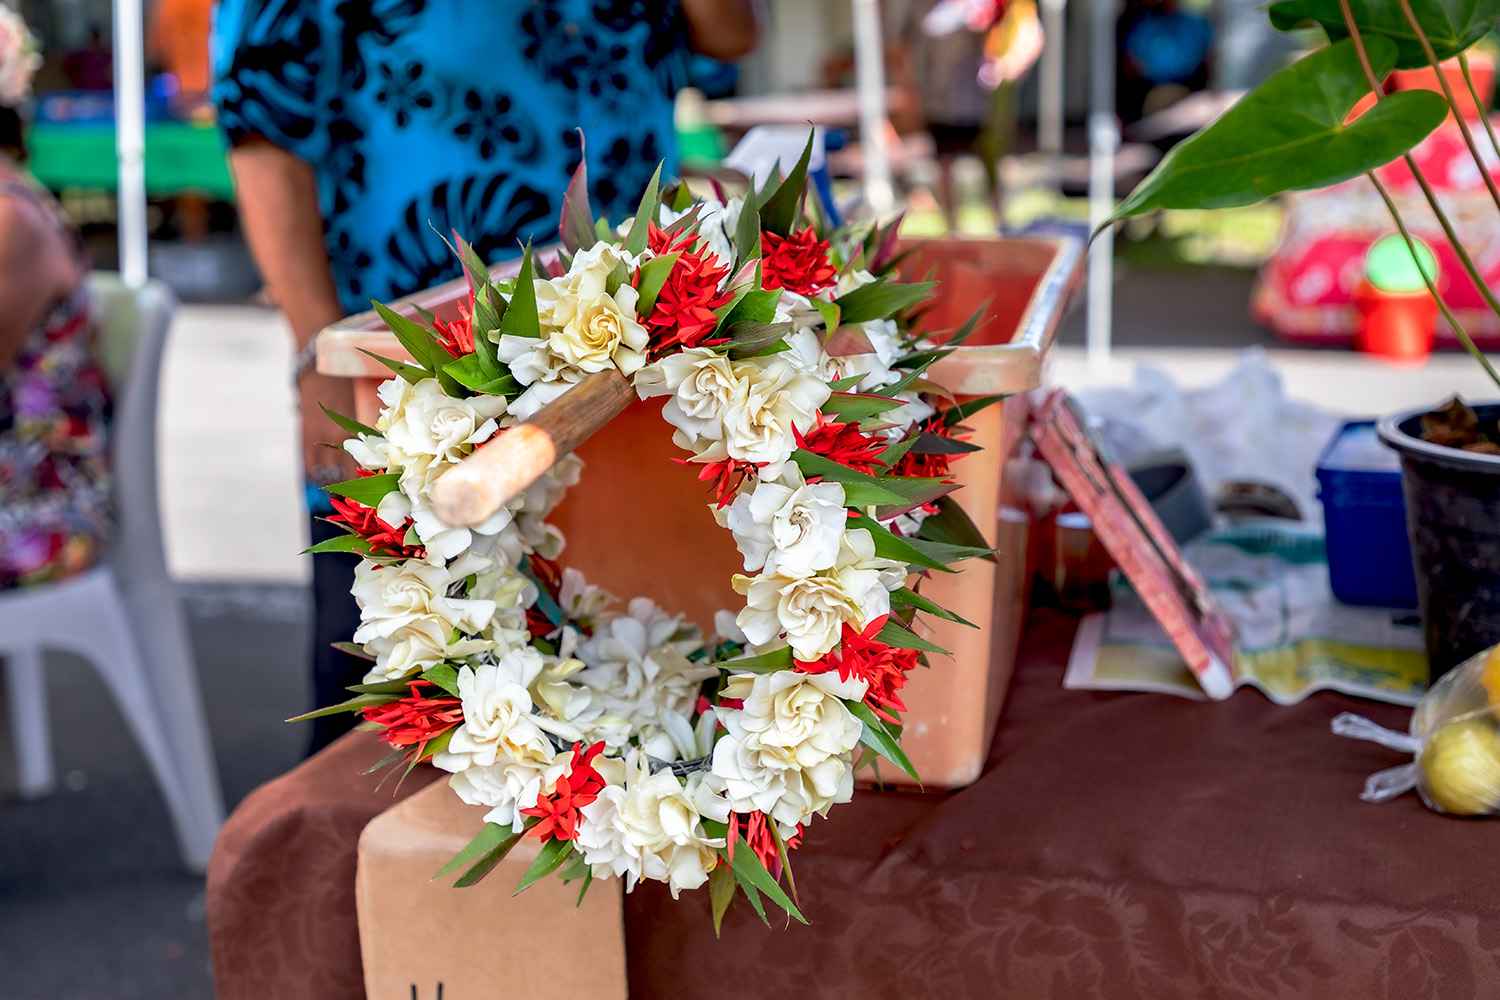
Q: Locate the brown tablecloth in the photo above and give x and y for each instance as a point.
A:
(1119, 845)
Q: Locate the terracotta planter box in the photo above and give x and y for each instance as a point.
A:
(631, 488)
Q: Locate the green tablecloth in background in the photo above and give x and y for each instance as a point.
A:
(180, 158)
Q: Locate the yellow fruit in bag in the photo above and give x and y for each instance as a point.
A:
(1490, 678)
(1461, 766)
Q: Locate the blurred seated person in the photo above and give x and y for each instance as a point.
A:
(55, 503)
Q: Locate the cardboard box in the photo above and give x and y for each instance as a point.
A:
(421, 938)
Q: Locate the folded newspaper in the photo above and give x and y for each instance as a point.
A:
(1270, 578)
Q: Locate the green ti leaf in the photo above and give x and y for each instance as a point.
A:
(875, 735)
(411, 373)
(857, 406)
(492, 836)
(576, 226)
(351, 427)
(893, 633)
(881, 300)
(907, 598)
(755, 306)
(646, 213)
(955, 415)
(951, 525)
(339, 543)
(747, 233)
(765, 663)
(445, 676)
(779, 212)
(422, 345)
(1289, 135)
(749, 871)
(749, 338)
(891, 546)
(653, 277)
(520, 316)
(368, 490)
(550, 858)
(352, 705)
(721, 886)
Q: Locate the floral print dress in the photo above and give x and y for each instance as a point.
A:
(56, 508)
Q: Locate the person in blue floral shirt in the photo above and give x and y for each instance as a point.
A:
(364, 131)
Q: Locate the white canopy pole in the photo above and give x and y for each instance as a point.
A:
(1049, 98)
(130, 138)
(869, 62)
(1104, 139)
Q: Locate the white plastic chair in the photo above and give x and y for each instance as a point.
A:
(123, 615)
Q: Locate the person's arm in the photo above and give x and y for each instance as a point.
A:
(278, 201)
(36, 270)
(723, 29)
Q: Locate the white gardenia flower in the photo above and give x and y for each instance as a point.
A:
(507, 786)
(660, 821)
(413, 648)
(811, 610)
(397, 595)
(745, 410)
(637, 663)
(420, 419)
(579, 599)
(500, 720)
(787, 526)
(788, 749)
(371, 451)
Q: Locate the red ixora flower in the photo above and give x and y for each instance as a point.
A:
(683, 315)
(416, 719)
(457, 335)
(559, 810)
(384, 540)
(759, 835)
(845, 444)
(725, 476)
(929, 464)
(548, 576)
(862, 656)
(799, 262)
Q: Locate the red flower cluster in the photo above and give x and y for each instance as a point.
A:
(684, 312)
(548, 576)
(416, 719)
(384, 540)
(860, 655)
(927, 464)
(762, 840)
(845, 444)
(457, 336)
(799, 262)
(580, 786)
(725, 476)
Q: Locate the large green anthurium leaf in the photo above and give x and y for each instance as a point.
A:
(1450, 25)
(1289, 135)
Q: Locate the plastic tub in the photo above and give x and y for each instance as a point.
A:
(1364, 513)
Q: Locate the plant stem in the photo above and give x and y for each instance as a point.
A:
(1479, 105)
(1458, 116)
(1411, 245)
(1458, 247)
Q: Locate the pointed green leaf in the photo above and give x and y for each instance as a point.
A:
(749, 870)
(352, 705)
(721, 886)
(368, 490)
(520, 316)
(857, 406)
(339, 543)
(749, 338)
(877, 737)
(646, 213)
(831, 313)
(747, 232)
(1289, 135)
(765, 663)
(907, 598)
(352, 650)
(756, 306)
(927, 443)
(881, 300)
(421, 344)
(653, 277)
(576, 227)
(352, 427)
(550, 858)
(411, 373)
(890, 546)
(445, 676)
(898, 635)
(493, 835)
(778, 213)
(955, 415)
(952, 525)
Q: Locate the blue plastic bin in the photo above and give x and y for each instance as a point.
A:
(1364, 516)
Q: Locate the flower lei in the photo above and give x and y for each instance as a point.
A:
(625, 741)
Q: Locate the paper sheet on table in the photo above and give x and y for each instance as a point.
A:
(1271, 578)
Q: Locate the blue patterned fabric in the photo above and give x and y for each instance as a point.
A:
(450, 115)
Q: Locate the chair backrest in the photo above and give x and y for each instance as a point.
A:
(132, 336)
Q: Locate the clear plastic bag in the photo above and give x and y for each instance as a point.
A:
(1455, 736)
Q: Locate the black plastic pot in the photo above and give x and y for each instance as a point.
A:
(1453, 517)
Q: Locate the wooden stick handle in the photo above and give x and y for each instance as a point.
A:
(470, 492)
